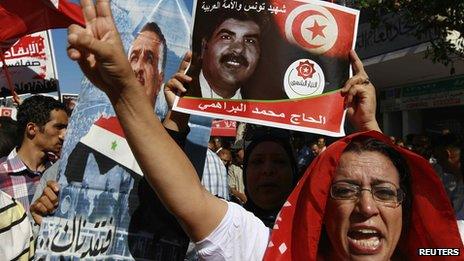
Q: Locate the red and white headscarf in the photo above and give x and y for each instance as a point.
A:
(298, 227)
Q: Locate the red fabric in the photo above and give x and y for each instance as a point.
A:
(224, 128)
(300, 17)
(22, 17)
(298, 226)
(111, 124)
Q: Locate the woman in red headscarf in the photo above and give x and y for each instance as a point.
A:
(314, 224)
(363, 197)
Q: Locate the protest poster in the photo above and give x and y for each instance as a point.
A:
(107, 210)
(8, 112)
(271, 62)
(224, 128)
(69, 100)
(31, 65)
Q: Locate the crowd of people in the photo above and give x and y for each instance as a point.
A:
(268, 194)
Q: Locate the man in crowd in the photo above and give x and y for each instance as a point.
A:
(42, 123)
(230, 52)
(315, 150)
(226, 157)
(321, 144)
(235, 174)
(449, 170)
(214, 177)
(307, 154)
(215, 144)
(147, 57)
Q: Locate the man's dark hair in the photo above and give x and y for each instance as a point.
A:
(7, 124)
(370, 144)
(207, 23)
(7, 143)
(215, 19)
(36, 109)
(8, 138)
(153, 27)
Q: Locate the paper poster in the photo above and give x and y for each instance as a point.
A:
(31, 65)
(276, 63)
(107, 210)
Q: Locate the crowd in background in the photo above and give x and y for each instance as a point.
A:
(441, 149)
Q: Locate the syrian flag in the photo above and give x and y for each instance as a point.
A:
(23, 17)
(106, 136)
(321, 28)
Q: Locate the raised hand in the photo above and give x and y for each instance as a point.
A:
(360, 98)
(176, 85)
(99, 51)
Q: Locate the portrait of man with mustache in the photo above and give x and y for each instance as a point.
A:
(230, 52)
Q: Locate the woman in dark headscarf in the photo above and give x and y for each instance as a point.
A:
(269, 173)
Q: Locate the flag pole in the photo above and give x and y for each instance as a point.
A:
(55, 68)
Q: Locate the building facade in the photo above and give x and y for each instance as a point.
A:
(414, 95)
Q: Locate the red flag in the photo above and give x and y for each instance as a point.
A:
(21, 17)
(318, 27)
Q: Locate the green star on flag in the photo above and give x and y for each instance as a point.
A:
(107, 137)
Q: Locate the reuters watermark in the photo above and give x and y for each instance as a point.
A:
(438, 252)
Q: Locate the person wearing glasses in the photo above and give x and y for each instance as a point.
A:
(226, 231)
(369, 201)
(364, 198)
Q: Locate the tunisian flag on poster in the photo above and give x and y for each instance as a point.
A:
(305, 53)
(22, 17)
(106, 136)
(321, 30)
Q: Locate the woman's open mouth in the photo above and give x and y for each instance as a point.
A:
(365, 241)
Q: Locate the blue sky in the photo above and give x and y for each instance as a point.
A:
(69, 73)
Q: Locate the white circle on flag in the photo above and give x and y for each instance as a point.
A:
(303, 78)
(312, 27)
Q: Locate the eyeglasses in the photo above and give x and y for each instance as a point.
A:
(385, 193)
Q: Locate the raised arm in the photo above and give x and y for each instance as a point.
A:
(99, 51)
(360, 97)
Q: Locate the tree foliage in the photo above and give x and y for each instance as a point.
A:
(444, 17)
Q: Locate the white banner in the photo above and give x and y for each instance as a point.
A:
(31, 65)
